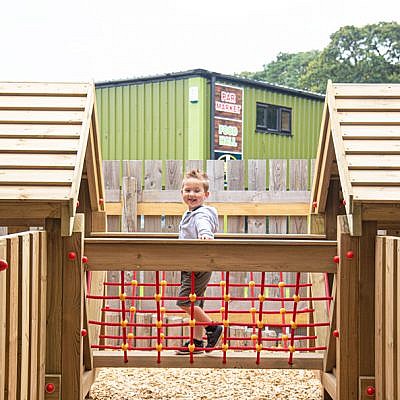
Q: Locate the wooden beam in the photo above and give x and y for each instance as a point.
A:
(247, 360)
(214, 255)
(328, 381)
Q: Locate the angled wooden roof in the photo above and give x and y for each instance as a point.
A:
(48, 133)
(360, 141)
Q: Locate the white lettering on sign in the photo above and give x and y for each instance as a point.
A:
(227, 141)
(230, 108)
(228, 130)
(228, 97)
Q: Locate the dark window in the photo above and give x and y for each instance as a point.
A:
(274, 119)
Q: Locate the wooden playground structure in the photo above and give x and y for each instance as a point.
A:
(53, 279)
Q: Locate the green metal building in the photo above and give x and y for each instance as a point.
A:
(200, 114)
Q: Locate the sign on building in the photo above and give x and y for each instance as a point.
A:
(228, 122)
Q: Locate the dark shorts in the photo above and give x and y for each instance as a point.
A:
(201, 280)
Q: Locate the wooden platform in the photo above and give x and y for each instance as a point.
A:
(239, 359)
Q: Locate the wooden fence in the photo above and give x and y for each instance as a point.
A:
(387, 318)
(23, 316)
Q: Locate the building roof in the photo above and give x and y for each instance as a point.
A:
(360, 142)
(209, 75)
(48, 138)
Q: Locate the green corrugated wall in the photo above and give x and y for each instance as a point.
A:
(155, 120)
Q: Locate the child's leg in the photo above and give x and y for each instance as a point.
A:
(200, 316)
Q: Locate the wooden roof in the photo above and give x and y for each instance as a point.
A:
(360, 142)
(48, 136)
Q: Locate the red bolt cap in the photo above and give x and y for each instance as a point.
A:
(71, 255)
(85, 259)
(101, 201)
(3, 265)
(336, 259)
(335, 333)
(344, 202)
(350, 254)
(84, 332)
(370, 390)
(77, 203)
(314, 204)
(50, 388)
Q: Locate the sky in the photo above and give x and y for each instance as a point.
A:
(81, 40)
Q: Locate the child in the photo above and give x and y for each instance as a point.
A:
(198, 222)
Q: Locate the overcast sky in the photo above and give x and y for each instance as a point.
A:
(53, 40)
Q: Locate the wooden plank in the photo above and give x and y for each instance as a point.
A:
(348, 305)
(129, 200)
(134, 169)
(397, 328)
(25, 193)
(257, 180)
(215, 255)
(369, 104)
(56, 381)
(111, 171)
(277, 183)
(383, 194)
(328, 381)
(390, 347)
(41, 117)
(298, 178)
(377, 132)
(33, 177)
(39, 131)
(372, 146)
(72, 314)
(242, 360)
(380, 315)
(365, 382)
(368, 118)
(367, 90)
(3, 320)
(153, 181)
(41, 364)
(24, 317)
(37, 145)
(373, 161)
(92, 173)
(216, 174)
(173, 181)
(12, 304)
(37, 161)
(375, 178)
(194, 164)
(330, 353)
(44, 88)
(34, 270)
(44, 103)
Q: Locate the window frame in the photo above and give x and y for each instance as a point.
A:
(279, 109)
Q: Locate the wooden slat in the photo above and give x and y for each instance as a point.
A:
(215, 255)
(328, 381)
(3, 320)
(369, 118)
(152, 181)
(372, 147)
(111, 171)
(277, 183)
(257, 180)
(51, 146)
(240, 360)
(173, 181)
(372, 161)
(42, 103)
(44, 88)
(134, 169)
(375, 178)
(42, 117)
(130, 209)
(48, 193)
(367, 90)
(382, 194)
(33, 177)
(38, 161)
(37, 130)
(377, 132)
(374, 104)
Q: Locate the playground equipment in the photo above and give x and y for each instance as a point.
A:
(50, 160)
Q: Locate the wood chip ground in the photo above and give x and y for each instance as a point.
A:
(205, 384)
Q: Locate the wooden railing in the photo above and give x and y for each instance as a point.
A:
(249, 196)
(23, 315)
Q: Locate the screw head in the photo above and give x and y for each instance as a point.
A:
(335, 333)
(3, 265)
(370, 390)
(336, 259)
(101, 201)
(350, 254)
(84, 332)
(50, 388)
(71, 255)
(314, 204)
(84, 259)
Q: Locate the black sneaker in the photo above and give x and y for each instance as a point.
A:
(214, 333)
(199, 347)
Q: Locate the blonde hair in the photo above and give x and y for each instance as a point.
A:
(199, 175)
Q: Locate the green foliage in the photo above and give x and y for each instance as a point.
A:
(367, 54)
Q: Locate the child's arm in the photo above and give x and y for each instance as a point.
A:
(204, 228)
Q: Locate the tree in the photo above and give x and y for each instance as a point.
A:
(360, 55)
(367, 54)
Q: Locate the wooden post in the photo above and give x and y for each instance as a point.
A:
(3, 320)
(72, 313)
(348, 306)
(129, 199)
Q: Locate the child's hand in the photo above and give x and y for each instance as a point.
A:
(205, 237)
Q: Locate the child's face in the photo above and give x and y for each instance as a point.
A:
(193, 194)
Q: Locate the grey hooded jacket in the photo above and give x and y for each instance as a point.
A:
(203, 221)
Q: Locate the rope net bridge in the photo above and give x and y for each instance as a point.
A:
(257, 317)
